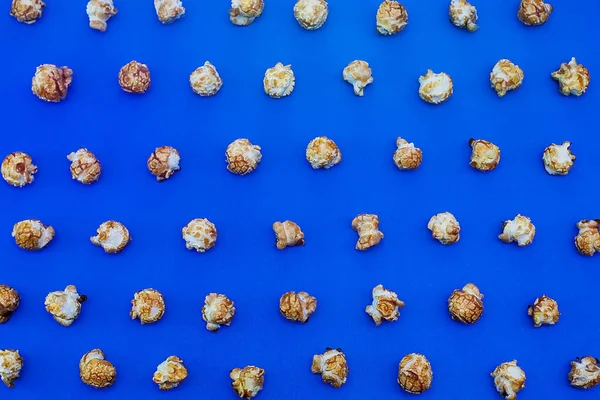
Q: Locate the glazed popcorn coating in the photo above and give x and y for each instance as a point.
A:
(148, 305)
(99, 12)
(445, 228)
(199, 234)
(95, 371)
(519, 230)
(359, 75)
(585, 372)
(435, 88)
(169, 10)
(506, 76)
(485, 155)
(544, 311)
(279, 81)
(244, 12)
(534, 12)
(164, 162)
(465, 305)
(508, 379)
(27, 11)
(134, 77)
(297, 306)
(205, 80)
(414, 373)
(573, 78)
(247, 381)
(463, 15)
(9, 301)
(112, 236)
(85, 167)
(288, 233)
(11, 364)
(322, 152)
(65, 305)
(18, 169)
(407, 156)
(385, 305)
(587, 240)
(391, 17)
(242, 156)
(51, 83)
(217, 310)
(170, 373)
(558, 159)
(367, 227)
(31, 234)
(332, 366)
(311, 14)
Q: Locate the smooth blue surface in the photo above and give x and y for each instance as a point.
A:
(123, 129)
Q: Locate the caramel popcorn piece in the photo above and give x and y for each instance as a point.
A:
(288, 233)
(112, 236)
(65, 305)
(519, 230)
(534, 12)
(27, 11)
(445, 228)
(51, 83)
(359, 75)
(465, 305)
(85, 167)
(95, 371)
(248, 381)
(279, 81)
(169, 10)
(544, 311)
(311, 14)
(463, 15)
(585, 372)
(367, 227)
(385, 305)
(509, 379)
(170, 373)
(217, 310)
(244, 12)
(587, 240)
(134, 77)
(485, 155)
(322, 152)
(506, 76)
(205, 80)
(11, 364)
(297, 306)
(391, 17)
(435, 88)
(407, 156)
(558, 159)
(9, 301)
(18, 169)
(164, 162)
(99, 12)
(242, 156)
(572, 78)
(414, 373)
(199, 234)
(31, 234)
(148, 305)
(332, 366)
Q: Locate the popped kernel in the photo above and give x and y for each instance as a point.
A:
(391, 17)
(297, 306)
(445, 228)
(170, 373)
(585, 372)
(572, 78)
(9, 301)
(199, 234)
(506, 76)
(27, 11)
(217, 310)
(288, 233)
(367, 227)
(85, 167)
(279, 81)
(435, 88)
(485, 155)
(244, 12)
(534, 12)
(96, 371)
(11, 364)
(332, 366)
(407, 156)
(558, 159)
(587, 240)
(51, 83)
(169, 10)
(99, 12)
(519, 230)
(134, 77)
(465, 305)
(242, 156)
(164, 162)
(385, 305)
(64, 305)
(18, 169)
(148, 305)
(414, 373)
(31, 234)
(112, 236)
(322, 152)
(311, 14)
(544, 311)
(509, 379)
(463, 15)
(205, 80)
(359, 75)
(247, 381)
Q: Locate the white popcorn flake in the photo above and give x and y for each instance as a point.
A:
(112, 236)
(558, 159)
(435, 88)
(279, 81)
(199, 234)
(519, 230)
(205, 80)
(244, 12)
(11, 364)
(463, 15)
(359, 75)
(169, 10)
(311, 14)
(99, 12)
(65, 305)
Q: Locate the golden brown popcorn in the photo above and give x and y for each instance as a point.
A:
(519, 230)
(572, 78)
(407, 156)
(587, 240)
(27, 11)
(435, 88)
(391, 17)
(134, 77)
(199, 234)
(11, 364)
(506, 76)
(465, 305)
(112, 236)
(18, 169)
(359, 75)
(65, 305)
(544, 311)
(244, 12)
(217, 310)
(85, 167)
(385, 305)
(485, 155)
(558, 159)
(9, 301)
(414, 373)
(205, 80)
(297, 306)
(534, 12)
(311, 14)
(164, 162)
(148, 305)
(585, 372)
(463, 15)
(288, 233)
(367, 227)
(95, 371)
(31, 234)
(51, 83)
(169, 10)
(322, 152)
(332, 366)
(247, 381)
(170, 373)
(242, 156)
(279, 81)
(99, 12)
(509, 379)
(445, 228)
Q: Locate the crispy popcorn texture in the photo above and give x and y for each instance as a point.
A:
(544, 311)
(242, 156)
(322, 152)
(465, 305)
(51, 83)
(445, 228)
(367, 227)
(359, 75)
(463, 15)
(385, 305)
(205, 80)
(288, 233)
(587, 240)
(27, 11)
(435, 88)
(485, 155)
(217, 310)
(247, 381)
(558, 159)
(85, 167)
(65, 305)
(99, 12)
(9, 301)
(407, 156)
(509, 379)
(95, 371)
(134, 77)
(534, 12)
(279, 81)
(18, 169)
(244, 12)
(414, 373)
(112, 236)
(332, 366)
(164, 162)
(11, 364)
(31, 234)
(297, 306)
(519, 230)
(148, 305)
(199, 234)
(169, 10)
(311, 14)
(170, 373)
(572, 78)
(391, 17)
(506, 76)
(585, 372)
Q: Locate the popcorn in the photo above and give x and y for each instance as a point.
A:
(148, 305)
(385, 305)
(332, 366)
(435, 88)
(585, 372)
(572, 78)
(519, 230)
(407, 156)
(112, 237)
(65, 305)
(359, 75)
(18, 169)
(51, 83)
(463, 15)
(465, 305)
(534, 12)
(506, 76)
(311, 14)
(11, 364)
(414, 373)
(85, 167)
(544, 311)
(322, 152)
(587, 240)
(367, 227)
(392, 17)
(242, 156)
(170, 373)
(99, 12)
(248, 381)
(297, 306)
(217, 310)
(164, 162)
(279, 81)
(558, 159)
(244, 12)
(27, 11)
(288, 233)
(9, 301)
(199, 234)
(509, 379)
(169, 10)
(95, 371)
(205, 80)
(445, 228)
(485, 155)
(31, 234)
(134, 77)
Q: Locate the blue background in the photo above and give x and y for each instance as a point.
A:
(123, 129)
